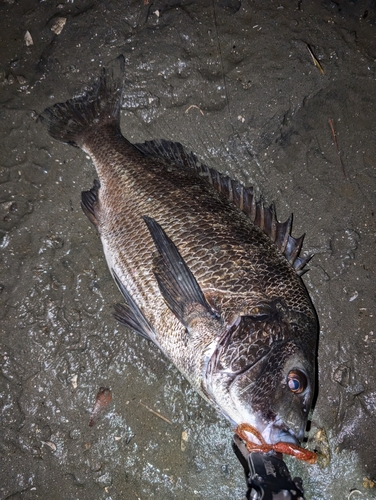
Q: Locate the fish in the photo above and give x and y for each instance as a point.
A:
(206, 271)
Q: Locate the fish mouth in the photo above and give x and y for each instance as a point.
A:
(277, 432)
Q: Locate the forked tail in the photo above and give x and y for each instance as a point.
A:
(71, 121)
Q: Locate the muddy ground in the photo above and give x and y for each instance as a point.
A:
(234, 81)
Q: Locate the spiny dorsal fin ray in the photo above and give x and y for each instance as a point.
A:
(293, 248)
(264, 217)
(283, 233)
(300, 262)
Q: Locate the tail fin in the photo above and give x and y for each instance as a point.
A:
(70, 121)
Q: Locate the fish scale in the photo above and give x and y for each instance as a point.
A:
(206, 271)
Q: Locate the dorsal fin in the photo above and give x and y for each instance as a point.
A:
(168, 150)
(264, 217)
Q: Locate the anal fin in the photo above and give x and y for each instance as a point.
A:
(130, 315)
(89, 201)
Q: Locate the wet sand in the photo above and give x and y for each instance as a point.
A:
(234, 82)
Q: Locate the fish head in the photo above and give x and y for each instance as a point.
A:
(264, 373)
(289, 390)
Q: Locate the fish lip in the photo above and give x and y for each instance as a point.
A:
(277, 432)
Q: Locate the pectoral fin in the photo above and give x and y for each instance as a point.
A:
(176, 282)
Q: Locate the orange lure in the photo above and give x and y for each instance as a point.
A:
(281, 447)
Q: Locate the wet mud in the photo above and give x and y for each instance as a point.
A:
(235, 82)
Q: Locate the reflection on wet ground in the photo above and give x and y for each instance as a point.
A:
(234, 82)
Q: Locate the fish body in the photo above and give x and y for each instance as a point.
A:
(207, 273)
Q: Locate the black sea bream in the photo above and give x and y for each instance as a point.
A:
(207, 273)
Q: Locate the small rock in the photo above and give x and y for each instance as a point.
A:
(75, 434)
(74, 380)
(104, 480)
(184, 440)
(50, 444)
(28, 39)
(58, 25)
(368, 483)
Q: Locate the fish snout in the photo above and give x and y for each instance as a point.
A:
(275, 433)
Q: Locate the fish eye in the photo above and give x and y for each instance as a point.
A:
(297, 381)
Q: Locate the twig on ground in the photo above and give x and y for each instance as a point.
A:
(315, 60)
(331, 123)
(194, 106)
(156, 413)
